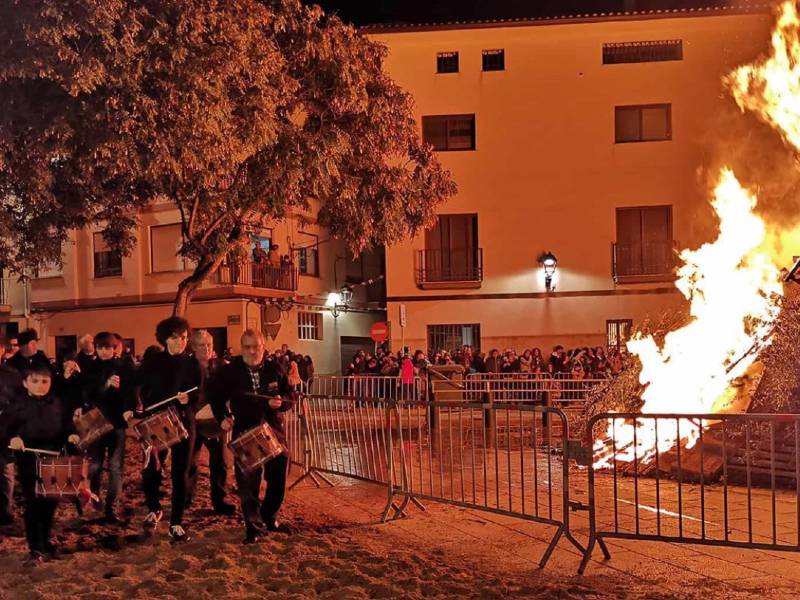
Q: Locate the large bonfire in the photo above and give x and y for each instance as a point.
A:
(733, 284)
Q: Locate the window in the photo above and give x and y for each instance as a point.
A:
(107, 263)
(308, 254)
(494, 60)
(449, 132)
(644, 247)
(618, 332)
(309, 326)
(165, 243)
(447, 62)
(451, 251)
(636, 52)
(651, 123)
(453, 337)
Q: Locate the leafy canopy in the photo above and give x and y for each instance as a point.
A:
(236, 111)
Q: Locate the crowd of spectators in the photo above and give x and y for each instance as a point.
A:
(575, 363)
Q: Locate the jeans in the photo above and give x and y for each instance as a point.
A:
(256, 512)
(111, 446)
(218, 470)
(152, 476)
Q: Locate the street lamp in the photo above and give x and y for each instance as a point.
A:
(338, 301)
(548, 261)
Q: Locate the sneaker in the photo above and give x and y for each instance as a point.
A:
(178, 534)
(35, 558)
(152, 519)
(274, 525)
(111, 518)
(253, 535)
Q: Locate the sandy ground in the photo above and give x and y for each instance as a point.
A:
(338, 550)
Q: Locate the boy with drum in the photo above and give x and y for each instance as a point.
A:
(38, 420)
(257, 393)
(108, 384)
(169, 374)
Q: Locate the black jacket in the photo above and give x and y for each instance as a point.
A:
(20, 363)
(163, 375)
(85, 361)
(44, 422)
(231, 384)
(96, 393)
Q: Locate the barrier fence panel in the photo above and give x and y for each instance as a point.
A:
(520, 387)
(348, 437)
(733, 480)
(367, 386)
(499, 458)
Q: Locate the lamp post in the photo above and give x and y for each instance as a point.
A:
(338, 301)
(548, 261)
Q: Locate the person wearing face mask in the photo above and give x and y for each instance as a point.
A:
(165, 374)
(256, 392)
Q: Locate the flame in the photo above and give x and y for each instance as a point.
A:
(733, 287)
(733, 283)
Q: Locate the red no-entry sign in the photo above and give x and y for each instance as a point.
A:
(379, 332)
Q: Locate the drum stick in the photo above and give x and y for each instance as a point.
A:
(39, 451)
(175, 397)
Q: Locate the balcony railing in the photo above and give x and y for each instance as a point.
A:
(449, 266)
(651, 261)
(258, 275)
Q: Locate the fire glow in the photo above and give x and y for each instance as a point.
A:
(733, 283)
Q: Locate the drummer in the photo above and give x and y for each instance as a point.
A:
(37, 420)
(257, 393)
(209, 433)
(109, 385)
(164, 374)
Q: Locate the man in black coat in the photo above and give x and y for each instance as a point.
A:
(203, 350)
(257, 393)
(108, 384)
(165, 374)
(29, 353)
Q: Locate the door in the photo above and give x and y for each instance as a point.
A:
(350, 345)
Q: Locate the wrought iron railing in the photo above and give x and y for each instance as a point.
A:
(643, 259)
(449, 265)
(258, 274)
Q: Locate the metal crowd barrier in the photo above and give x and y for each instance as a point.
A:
(505, 459)
(736, 485)
(367, 386)
(502, 459)
(516, 387)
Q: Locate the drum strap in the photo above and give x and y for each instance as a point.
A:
(151, 453)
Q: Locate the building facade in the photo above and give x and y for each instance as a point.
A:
(578, 137)
(98, 290)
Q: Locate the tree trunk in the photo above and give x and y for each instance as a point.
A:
(186, 288)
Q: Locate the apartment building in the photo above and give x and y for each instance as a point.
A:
(576, 144)
(97, 289)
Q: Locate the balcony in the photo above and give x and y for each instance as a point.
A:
(258, 275)
(449, 268)
(643, 262)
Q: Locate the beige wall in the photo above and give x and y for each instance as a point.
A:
(546, 173)
(139, 283)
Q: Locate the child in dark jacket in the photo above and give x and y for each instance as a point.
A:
(109, 385)
(38, 420)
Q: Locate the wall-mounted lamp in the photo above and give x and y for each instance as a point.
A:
(548, 261)
(338, 301)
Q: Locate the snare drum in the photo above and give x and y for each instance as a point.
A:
(207, 425)
(161, 430)
(61, 476)
(255, 447)
(91, 426)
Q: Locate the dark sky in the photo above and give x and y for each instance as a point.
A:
(362, 12)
